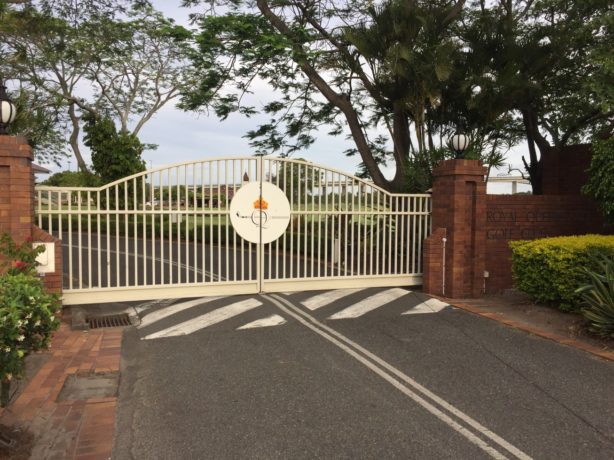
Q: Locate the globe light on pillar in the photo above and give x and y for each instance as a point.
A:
(459, 143)
(7, 110)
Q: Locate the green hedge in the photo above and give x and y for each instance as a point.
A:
(551, 269)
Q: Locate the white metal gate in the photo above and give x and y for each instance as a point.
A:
(166, 233)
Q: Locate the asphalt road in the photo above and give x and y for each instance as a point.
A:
(124, 262)
(375, 373)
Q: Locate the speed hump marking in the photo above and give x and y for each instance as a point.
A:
(251, 210)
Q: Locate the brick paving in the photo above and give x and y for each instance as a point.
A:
(80, 430)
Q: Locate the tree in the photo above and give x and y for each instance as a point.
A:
(39, 120)
(146, 70)
(530, 60)
(600, 184)
(602, 59)
(114, 154)
(72, 179)
(45, 50)
(295, 177)
(98, 57)
(400, 76)
(348, 64)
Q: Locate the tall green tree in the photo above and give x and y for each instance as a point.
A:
(602, 58)
(600, 184)
(358, 67)
(295, 177)
(399, 76)
(115, 154)
(100, 57)
(72, 179)
(538, 60)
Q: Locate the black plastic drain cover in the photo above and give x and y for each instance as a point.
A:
(97, 322)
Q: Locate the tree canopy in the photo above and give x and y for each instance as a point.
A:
(118, 59)
(601, 176)
(399, 76)
(114, 154)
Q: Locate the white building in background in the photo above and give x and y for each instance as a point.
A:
(505, 184)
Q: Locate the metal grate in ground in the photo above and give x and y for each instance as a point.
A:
(97, 322)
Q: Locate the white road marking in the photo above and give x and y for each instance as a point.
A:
(168, 311)
(428, 400)
(208, 319)
(328, 297)
(273, 320)
(370, 303)
(428, 306)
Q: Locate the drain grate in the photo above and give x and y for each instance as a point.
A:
(97, 322)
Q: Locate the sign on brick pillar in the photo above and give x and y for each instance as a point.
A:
(459, 216)
(16, 188)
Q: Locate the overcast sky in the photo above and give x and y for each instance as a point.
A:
(183, 136)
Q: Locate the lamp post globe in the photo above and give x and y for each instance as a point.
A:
(459, 143)
(8, 110)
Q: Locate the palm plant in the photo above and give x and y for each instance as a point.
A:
(598, 297)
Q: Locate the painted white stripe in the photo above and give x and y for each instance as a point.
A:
(328, 297)
(208, 319)
(173, 309)
(428, 306)
(370, 303)
(391, 374)
(273, 320)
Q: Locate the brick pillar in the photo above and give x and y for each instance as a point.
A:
(459, 215)
(16, 188)
(17, 202)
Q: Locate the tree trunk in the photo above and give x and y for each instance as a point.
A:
(74, 137)
(401, 139)
(535, 166)
(341, 101)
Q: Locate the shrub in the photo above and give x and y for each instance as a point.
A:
(550, 270)
(18, 258)
(598, 297)
(27, 312)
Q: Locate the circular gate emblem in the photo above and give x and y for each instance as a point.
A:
(251, 210)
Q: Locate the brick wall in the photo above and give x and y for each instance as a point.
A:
(5, 199)
(527, 217)
(565, 169)
(478, 228)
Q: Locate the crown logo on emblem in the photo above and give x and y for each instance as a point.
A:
(261, 204)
